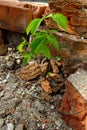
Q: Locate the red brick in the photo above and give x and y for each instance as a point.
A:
(17, 15)
(74, 108)
(76, 13)
(38, 9)
(14, 16)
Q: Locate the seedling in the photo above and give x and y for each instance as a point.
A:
(41, 38)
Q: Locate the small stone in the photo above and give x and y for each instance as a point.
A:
(1, 122)
(79, 81)
(59, 123)
(10, 126)
(1, 112)
(3, 128)
(2, 93)
(39, 106)
(52, 106)
(18, 61)
(7, 58)
(11, 77)
(9, 49)
(43, 126)
(19, 127)
(10, 64)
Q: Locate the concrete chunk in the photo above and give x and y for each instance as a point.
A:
(79, 81)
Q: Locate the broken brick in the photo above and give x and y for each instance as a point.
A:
(46, 86)
(74, 103)
(71, 9)
(38, 9)
(17, 15)
(33, 70)
(14, 16)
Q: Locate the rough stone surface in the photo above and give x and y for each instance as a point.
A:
(15, 16)
(25, 102)
(72, 47)
(19, 127)
(74, 103)
(71, 9)
(79, 81)
(73, 44)
(19, 14)
(1, 122)
(38, 9)
(10, 126)
(33, 70)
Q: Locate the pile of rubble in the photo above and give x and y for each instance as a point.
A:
(20, 95)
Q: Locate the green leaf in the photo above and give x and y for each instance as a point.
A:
(41, 33)
(52, 31)
(49, 16)
(26, 54)
(48, 73)
(46, 52)
(30, 26)
(25, 60)
(33, 26)
(41, 38)
(22, 44)
(51, 38)
(36, 43)
(61, 20)
(58, 58)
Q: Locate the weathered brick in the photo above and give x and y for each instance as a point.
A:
(72, 47)
(14, 16)
(76, 13)
(74, 103)
(38, 9)
(17, 15)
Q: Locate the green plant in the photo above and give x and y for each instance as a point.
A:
(41, 38)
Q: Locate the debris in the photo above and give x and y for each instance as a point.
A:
(10, 126)
(33, 70)
(46, 96)
(46, 86)
(1, 122)
(74, 103)
(19, 127)
(54, 66)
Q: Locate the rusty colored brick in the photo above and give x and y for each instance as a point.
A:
(38, 9)
(14, 16)
(76, 13)
(74, 103)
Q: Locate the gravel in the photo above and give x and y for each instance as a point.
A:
(22, 106)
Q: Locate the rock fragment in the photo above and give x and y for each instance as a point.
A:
(74, 103)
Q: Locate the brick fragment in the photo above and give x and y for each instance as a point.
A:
(14, 16)
(17, 15)
(76, 13)
(38, 9)
(72, 47)
(74, 103)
